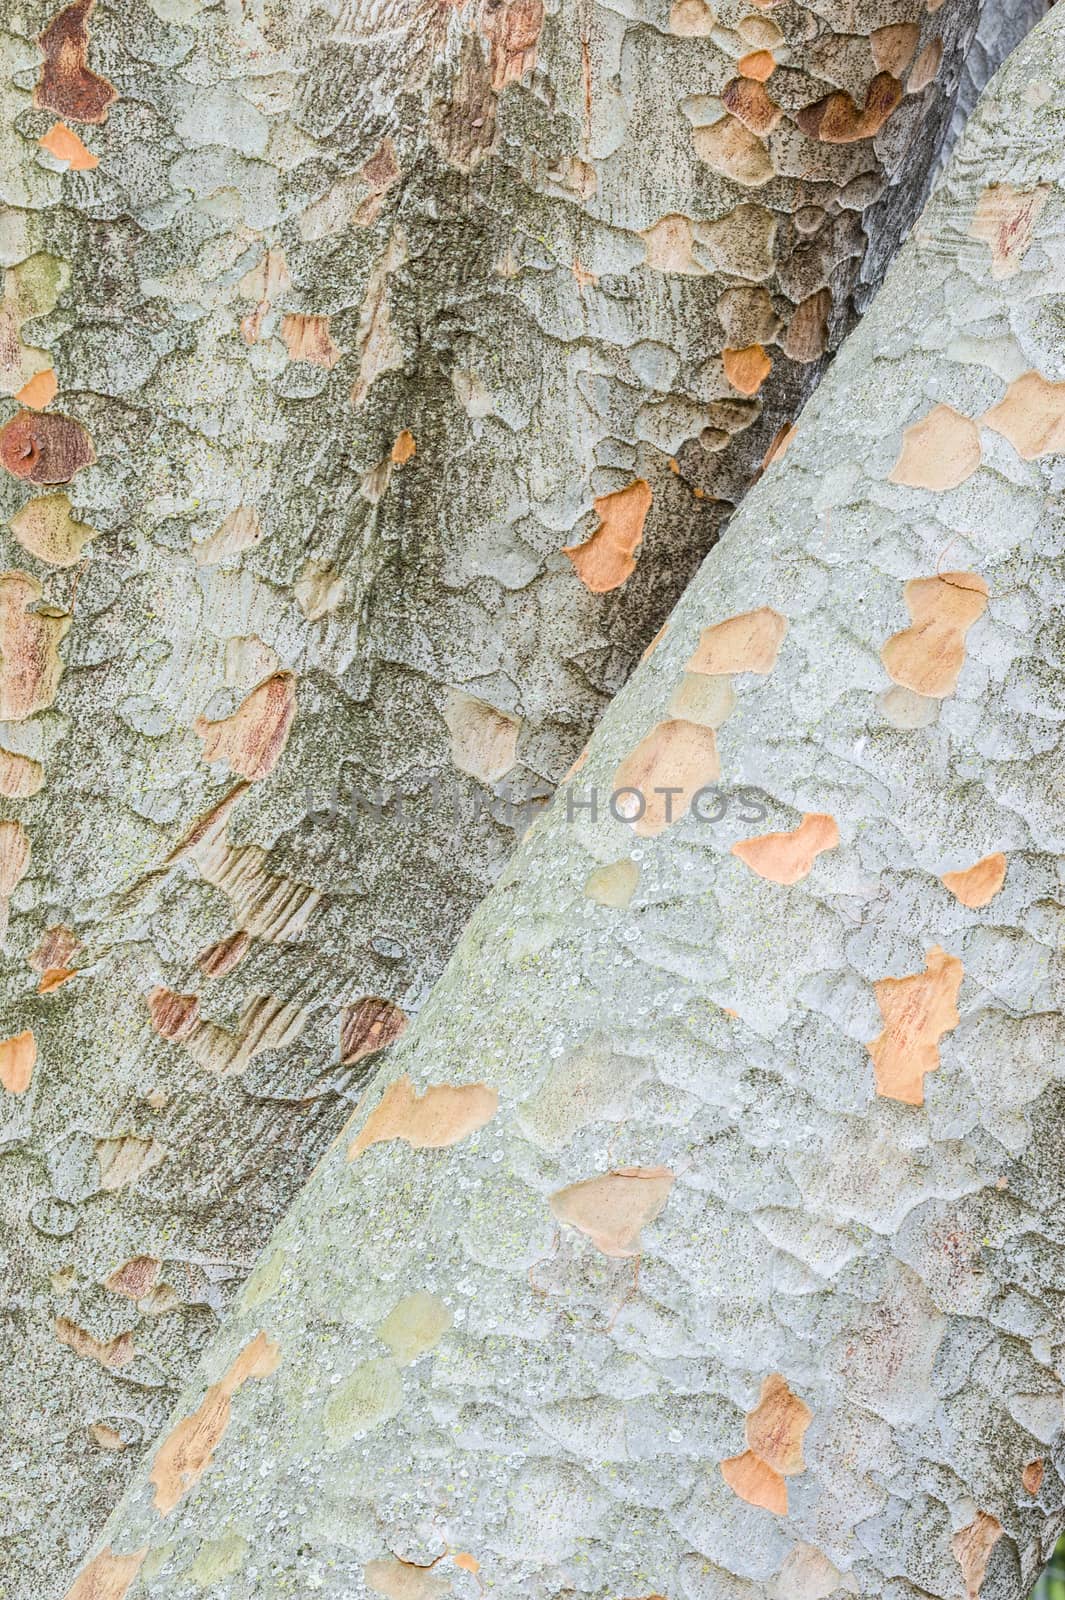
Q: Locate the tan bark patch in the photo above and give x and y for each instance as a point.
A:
(939, 452)
(1031, 416)
(692, 19)
(105, 1437)
(308, 339)
(402, 1580)
(677, 756)
(606, 559)
(917, 1012)
(758, 64)
(1032, 1476)
(925, 67)
(20, 776)
(749, 100)
(14, 857)
(756, 1482)
(613, 885)
(743, 241)
(788, 857)
(124, 1159)
(1004, 219)
(40, 391)
(978, 885)
(928, 656)
(106, 1576)
(748, 369)
(837, 119)
(777, 1425)
(18, 1057)
(225, 955)
(134, 1278)
(403, 449)
(54, 979)
(807, 331)
(48, 530)
(512, 28)
(669, 246)
(56, 948)
(263, 284)
(733, 150)
(30, 668)
(241, 530)
(66, 85)
(484, 740)
(63, 143)
(376, 343)
(173, 1016)
(252, 738)
(442, 1115)
(44, 447)
(186, 1452)
(972, 1549)
(894, 46)
(611, 1210)
(371, 1024)
(111, 1353)
(808, 1574)
(779, 445)
(749, 642)
(318, 590)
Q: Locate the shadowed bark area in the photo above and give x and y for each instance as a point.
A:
(702, 1237)
(378, 375)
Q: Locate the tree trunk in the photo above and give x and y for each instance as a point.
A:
(408, 360)
(702, 1237)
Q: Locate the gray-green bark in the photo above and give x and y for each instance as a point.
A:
(313, 239)
(720, 1175)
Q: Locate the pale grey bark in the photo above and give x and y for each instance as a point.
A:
(315, 238)
(667, 1154)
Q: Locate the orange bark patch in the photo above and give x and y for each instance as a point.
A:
(925, 67)
(747, 369)
(54, 979)
(43, 447)
(759, 64)
(978, 885)
(1004, 219)
(18, 1057)
(605, 560)
(40, 391)
(972, 1549)
(252, 738)
(308, 339)
(225, 955)
(110, 1353)
(106, 1576)
(63, 143)
(512, 28)
(777, 1425)
(66, 85)
(677, 758)
(403, 448)
(369, 1025)
(837, 119)
(174, 1016)
(749, 642)
(611, 1210)
(928, 657)
(134, 1278)
(893, 47)
(1031, 416)
(917, 1012)
(939, 452)
(756, 1482)
(185, 1453)
(443, 1115)
(778, 446)
(1032, 1476)
(788, 857)
(749, 100)
(468, 1563)
(30, 668)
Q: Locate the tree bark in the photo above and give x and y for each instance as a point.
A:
(702, 1237)
(383, 371)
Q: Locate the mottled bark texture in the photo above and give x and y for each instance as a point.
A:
(379, 373)
(702, 1239)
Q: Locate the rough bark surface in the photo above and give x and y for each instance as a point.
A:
(702, 1238)
(379, 374)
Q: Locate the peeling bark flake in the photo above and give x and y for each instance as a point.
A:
(1005, 219)
(752, 1480)
(512, 28)
(30, 667)
(18, 1057)
(777, 1425)
(972, 1548)
(917, 1012)
(44, 447)
(611, 1210)
(484, 740)
(1031, 416)
(442, 1115)
(1032, 1476)
(606, 559)
(938, 452)
(106, 1576)
(749, 642)
(134, 1278)
(789, 857)
(928, 656)
(173, 1016)
(371, 1024)
(837, 119)
(668, 766)
(253, 737)
(110, 1353)
(978, 885)
(308, 339)
(63, 143)
(66, 85)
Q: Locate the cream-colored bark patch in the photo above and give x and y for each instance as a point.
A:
(606, 559)
(749, 642)
(668, 766)
(928, 656)
(416, 1324)
(106, 1576)
(692, 19)
(20, 776)
(442, 1115)
(612, 1210)
(18, 1057)
(917, 1012)
(938, 452)
(978, 885)
(1031, 416)
(972, 1548)
(731, 148)
(186, 1452)
(241, 530)
(110, 1353)
(30, 667)
(47, 529)
(788, 857)
(484, 740)
(252, 738)
(319, 590)
(613, 885)
(309, 339)
(124, 1159)
(698, 698)
(1005, 220)
(402, 1580)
